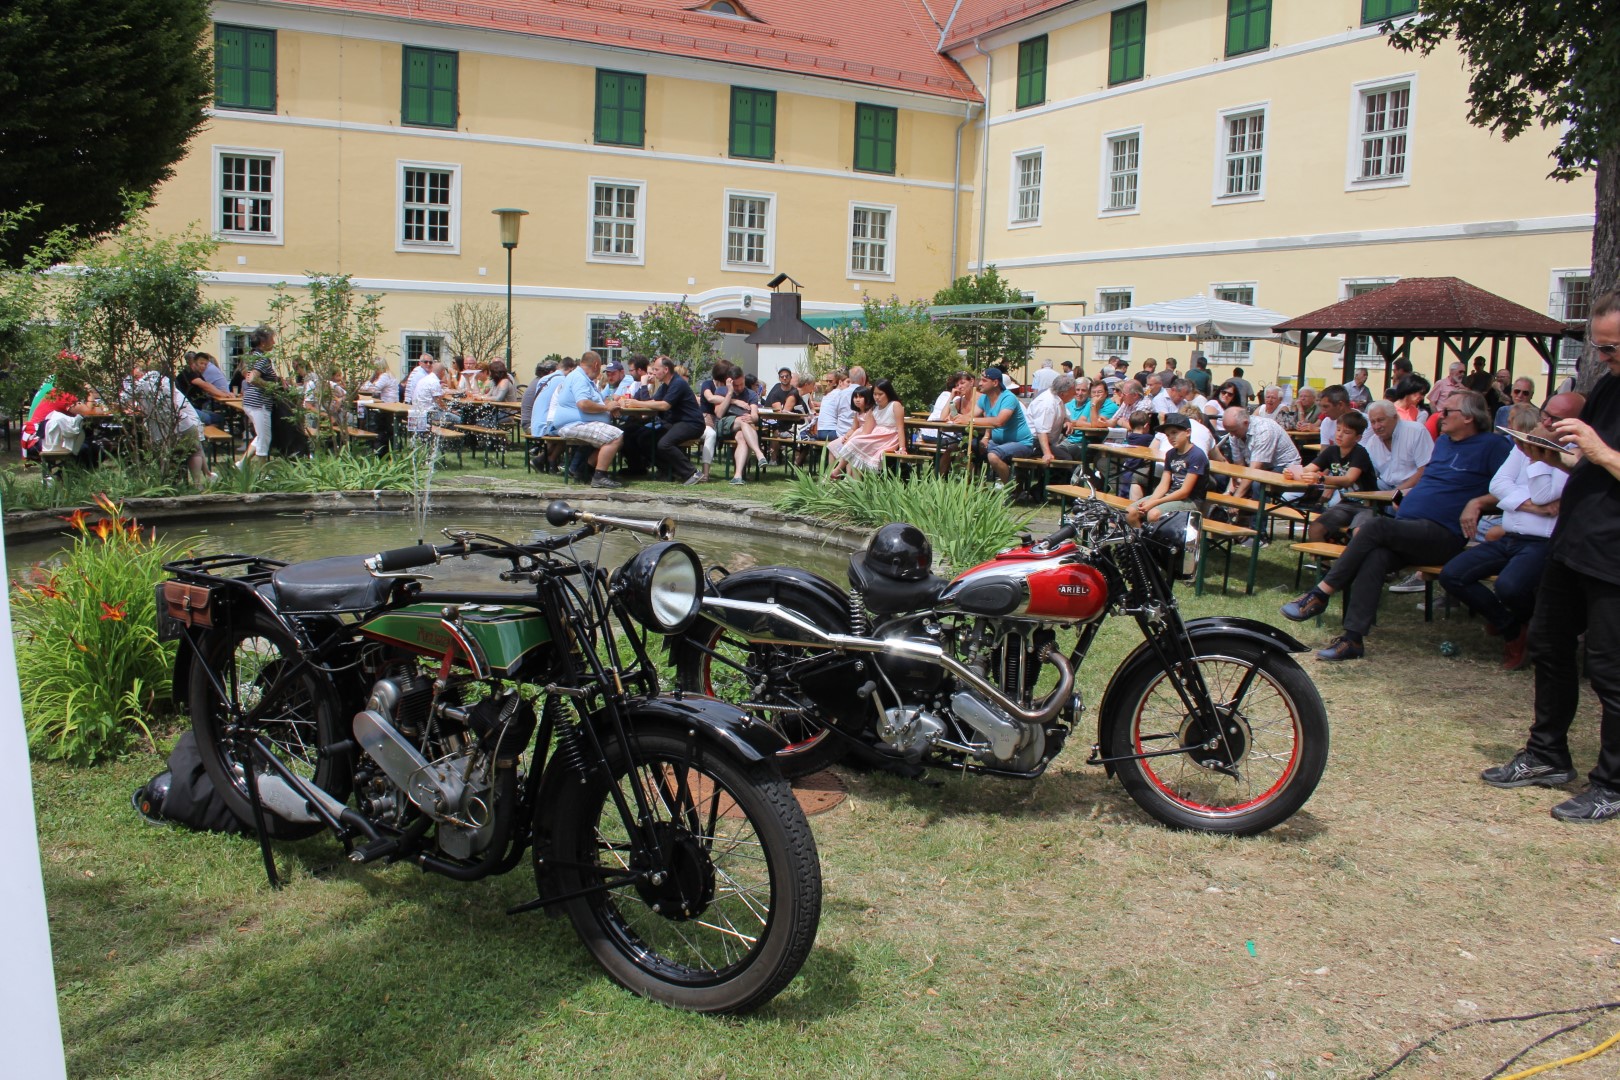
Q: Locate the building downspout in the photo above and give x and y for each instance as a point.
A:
(984, 149)
(956, 195)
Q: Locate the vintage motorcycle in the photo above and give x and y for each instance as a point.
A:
(456, 730)
(1210, 724)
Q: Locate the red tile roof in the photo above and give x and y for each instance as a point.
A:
(885, 43)
(972, 18)
(1427, 304)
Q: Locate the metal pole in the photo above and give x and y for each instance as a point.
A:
(508, 309)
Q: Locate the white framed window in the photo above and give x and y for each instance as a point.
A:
(1570, 301)
(871, 241)
(1368, 353)
(233, 348)
(1235, 293)
(618, 221)
(600, 339)
(1380, 133)
(1241, 155)
(1114, 300)
(750, 231)
(428, 201)
(1025, 208)
(247, 195)
(1121, 172)
(413, 343)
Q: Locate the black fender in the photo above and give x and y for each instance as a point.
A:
(809, 594)
(1198, 630)
(714, 724)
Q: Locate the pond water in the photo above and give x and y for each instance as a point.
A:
(296, 537)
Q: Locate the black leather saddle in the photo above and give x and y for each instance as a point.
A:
(885, 596)
(330, 585)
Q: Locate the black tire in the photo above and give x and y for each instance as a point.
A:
(743, 858)
(719, 663)
(305, 719)
(1267, 763)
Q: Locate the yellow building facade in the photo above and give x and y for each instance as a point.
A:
(1276, 152)
(318, 158)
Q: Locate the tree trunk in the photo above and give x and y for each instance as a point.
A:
(1605, 254)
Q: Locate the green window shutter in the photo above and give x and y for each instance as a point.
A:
(1127, 44)
(753, 123)
(261, 69)
(620, 107)
(1376, 11)
(875, 133)
(1248, 26)
(430, 88)
(244, 68)
(1032, 72)
(230, 66)
(633, 114)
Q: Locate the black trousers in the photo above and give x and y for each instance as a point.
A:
(1569, 604)
(1382, 545)
(669, 448)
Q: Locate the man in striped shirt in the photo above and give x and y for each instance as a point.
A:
(256, 392)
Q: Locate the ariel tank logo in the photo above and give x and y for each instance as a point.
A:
(1074, 590)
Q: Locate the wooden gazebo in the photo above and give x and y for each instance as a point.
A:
(1461, 317)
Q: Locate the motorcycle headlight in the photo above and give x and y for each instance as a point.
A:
(1176, 537)
(662, 587)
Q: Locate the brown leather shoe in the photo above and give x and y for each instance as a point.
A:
(1513, 654)
(1306, 607)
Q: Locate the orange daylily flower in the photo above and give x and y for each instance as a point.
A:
(76, 519)
(115, 612)
(49, 590)
(102, 529)
(77, 644)
(107, 506)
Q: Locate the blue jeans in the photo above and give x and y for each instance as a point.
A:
(1517, 562)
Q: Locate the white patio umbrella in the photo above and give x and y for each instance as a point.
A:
(1195, 318)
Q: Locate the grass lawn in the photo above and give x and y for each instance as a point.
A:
(978, 927)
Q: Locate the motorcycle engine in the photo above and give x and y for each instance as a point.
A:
(438, 756)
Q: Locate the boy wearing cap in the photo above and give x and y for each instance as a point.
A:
(614, 381)
(1009, 435)
(1186, 475)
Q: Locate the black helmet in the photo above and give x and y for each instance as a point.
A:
(900, 552)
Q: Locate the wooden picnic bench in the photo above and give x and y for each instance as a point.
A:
(1213, 535)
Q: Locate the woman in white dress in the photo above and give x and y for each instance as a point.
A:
(880, 429)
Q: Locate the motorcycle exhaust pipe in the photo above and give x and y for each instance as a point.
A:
(771, 616)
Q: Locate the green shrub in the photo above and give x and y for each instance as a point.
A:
(966, 520)
(87, 649)
(914, 356)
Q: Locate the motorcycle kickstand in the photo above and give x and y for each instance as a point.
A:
(252, 781)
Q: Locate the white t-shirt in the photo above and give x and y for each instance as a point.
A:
(1043, 413)
(1409, 450)
(1042, 379)
(1200, 436)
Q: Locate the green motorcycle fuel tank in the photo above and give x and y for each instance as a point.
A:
(515, 639)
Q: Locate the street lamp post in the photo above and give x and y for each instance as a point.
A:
(511, 221)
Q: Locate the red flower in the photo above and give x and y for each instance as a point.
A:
(76, 519)
(49, 590)
(102, 529)
(115, 612)
(107, 506)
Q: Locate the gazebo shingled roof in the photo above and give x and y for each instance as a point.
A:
(1460, 315)
(1432, 304)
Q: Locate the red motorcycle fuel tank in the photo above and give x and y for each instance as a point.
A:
(1056, 586)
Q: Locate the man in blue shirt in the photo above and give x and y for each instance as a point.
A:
(581, 413)
(1009, 435)
(541, 409)
(1426, 529)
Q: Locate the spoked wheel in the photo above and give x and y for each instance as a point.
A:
(731, 914)
(1252, 773)
(299, 717)
(748, 675)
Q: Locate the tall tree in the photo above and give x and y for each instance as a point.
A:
(1551, 64)
(100, 98)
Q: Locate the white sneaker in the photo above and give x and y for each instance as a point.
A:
(1411, 584)
(998, 486)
